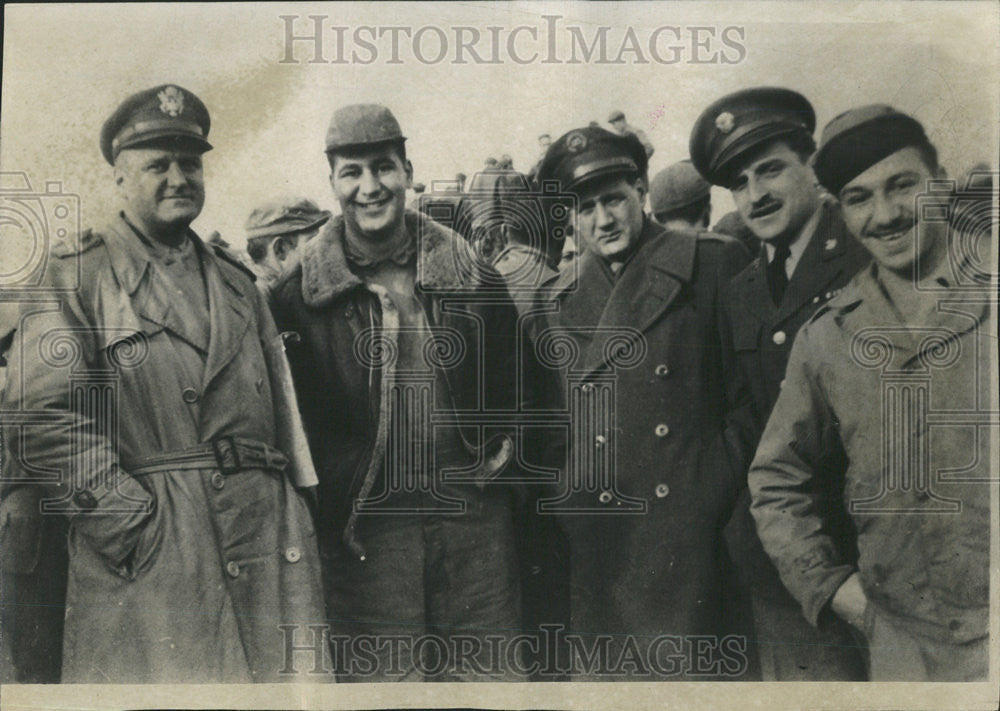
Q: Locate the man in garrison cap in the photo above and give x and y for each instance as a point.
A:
(642, 310)
(886, 400)
(757, 143)
(275, 232)
(179, 455)
(400, 329)
(624, 128)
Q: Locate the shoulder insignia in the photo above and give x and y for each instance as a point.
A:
(70, 246)
(228, 256)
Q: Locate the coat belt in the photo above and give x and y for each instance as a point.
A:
(227, 454)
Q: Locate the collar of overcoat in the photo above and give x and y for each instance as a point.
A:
(231, 294)
(596, 308)
(445, 261)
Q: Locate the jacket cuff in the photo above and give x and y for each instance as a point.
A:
(820, 600)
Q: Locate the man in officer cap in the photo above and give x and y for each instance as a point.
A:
(757, 144)
(642, 310)
(275, 232)
(680, 199)
(189, 542)
(907, 340)
(623, 128)
(396, 321)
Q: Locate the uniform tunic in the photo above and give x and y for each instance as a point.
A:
(762, 333)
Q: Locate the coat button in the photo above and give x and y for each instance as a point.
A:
(233, 568)
(189, 395)
(954, 625)
(662, 490)
(662, 370)
(815, 299)
(779, 337)
(662, 430)
(85, 500)
(218, 481)
(600, 440)
(293, 554)
(781, 384)
(604, 497)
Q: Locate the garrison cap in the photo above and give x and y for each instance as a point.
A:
(858, 139)
(615, 116)
(285, 215)
(164, 113)
(592, 152)
(738, 122)
(677, 186)
(362, 125)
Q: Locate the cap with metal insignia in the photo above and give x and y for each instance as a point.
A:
(164, 114)
(283, 216)
(858, 139)
(362, 125)
(591, 152)
(738, 122)
(677, 186)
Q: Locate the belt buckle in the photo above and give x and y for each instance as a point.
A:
(226, 455)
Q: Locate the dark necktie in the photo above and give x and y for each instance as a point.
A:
(777, 279)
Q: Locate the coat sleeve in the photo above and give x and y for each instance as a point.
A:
(67, 440)
(800, 441)
(291, 433)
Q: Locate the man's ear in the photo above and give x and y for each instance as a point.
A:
(640, 186)
(409, 175)
(280, 248)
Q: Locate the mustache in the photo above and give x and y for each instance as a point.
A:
(765, 206)
(897, 225)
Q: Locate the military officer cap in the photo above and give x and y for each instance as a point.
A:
(283, 216)
(858, 139)
(677, 187)
(744, 120)
(615, 116)
(362, 125)
(166, 113)
(592, 152)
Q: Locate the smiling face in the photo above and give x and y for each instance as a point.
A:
(879, 208)
(163, 189)
(775, 192)
(370, 184)
(609, 216)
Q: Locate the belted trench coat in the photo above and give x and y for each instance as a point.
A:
(179, 575)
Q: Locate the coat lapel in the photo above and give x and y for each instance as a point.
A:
(230, 302)
(818, 266)
(645, 290)
(149, 295)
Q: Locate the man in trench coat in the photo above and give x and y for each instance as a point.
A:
(650, 483)
(152, 397)
(757, 143)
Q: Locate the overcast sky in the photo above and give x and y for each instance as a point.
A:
(67, 67)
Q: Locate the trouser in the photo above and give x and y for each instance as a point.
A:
(899, 654)
(435, 598)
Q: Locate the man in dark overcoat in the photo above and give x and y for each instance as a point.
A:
(649, 482)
